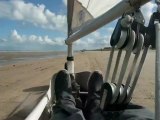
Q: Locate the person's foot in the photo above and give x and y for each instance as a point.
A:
(94, 87)
(65, 106)
(62, 84)
(95, 83)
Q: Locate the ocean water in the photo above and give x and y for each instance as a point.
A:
(8, 58)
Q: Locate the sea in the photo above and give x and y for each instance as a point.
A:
(13, 57)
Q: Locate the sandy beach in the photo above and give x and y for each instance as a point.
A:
(23, 84)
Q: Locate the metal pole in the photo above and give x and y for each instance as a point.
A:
(70, 60)
(132, 69)
(116, 66)
(157, 80)
(128, 49)
(70, 50)
(109, 65)
(107, 17)
(138, 72)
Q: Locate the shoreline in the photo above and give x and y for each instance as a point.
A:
(9, 58)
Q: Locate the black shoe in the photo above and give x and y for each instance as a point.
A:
(62, 84)
(94, 87)
(95, 83)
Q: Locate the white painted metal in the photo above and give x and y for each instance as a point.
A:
(109, 65)
(106, 18)
(129, 78)
(138, 72)
(70, 64)
(122, 39)
(37, 111)
(70, 50)
(125, 23)
(157, 80)
(128, 49)
(116, 66)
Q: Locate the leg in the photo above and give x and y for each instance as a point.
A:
(65, 102)
(131, 112)
(135, 112)
(93, 111)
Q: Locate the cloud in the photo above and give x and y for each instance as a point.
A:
(23, 42)
(43, 40)
(16, 37)
(17, 41)
(64, 2)
(147, 11)
(110, 30)
(3, 40)
(38, 15)
(93, 41)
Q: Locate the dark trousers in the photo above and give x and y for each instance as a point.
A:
(65, 110)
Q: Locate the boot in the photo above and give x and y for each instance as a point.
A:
(93, 101)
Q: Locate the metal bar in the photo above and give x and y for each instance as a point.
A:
(129, 77)
(138, 72)
(106, 18)
(122, 73)
(116, 66)
(103, 100)
(128, 49)
(109, 65)
(70, 50)
(157, 80)
(70, 64)
(82, 93)
(132, 69)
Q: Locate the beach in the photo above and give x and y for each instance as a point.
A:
(22, 84)
(13, 57)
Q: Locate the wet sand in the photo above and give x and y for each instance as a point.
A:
(23, 84)
(17, 57)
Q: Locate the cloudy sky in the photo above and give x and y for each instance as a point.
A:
(41, 25)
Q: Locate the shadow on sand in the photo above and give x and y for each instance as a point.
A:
(37, 89)
(30, 101)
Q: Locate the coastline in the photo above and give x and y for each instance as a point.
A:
(13, 57)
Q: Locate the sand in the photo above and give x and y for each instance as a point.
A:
(23, 84)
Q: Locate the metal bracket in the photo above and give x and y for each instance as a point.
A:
(138, 17)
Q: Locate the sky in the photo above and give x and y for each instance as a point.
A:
(41, 25)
